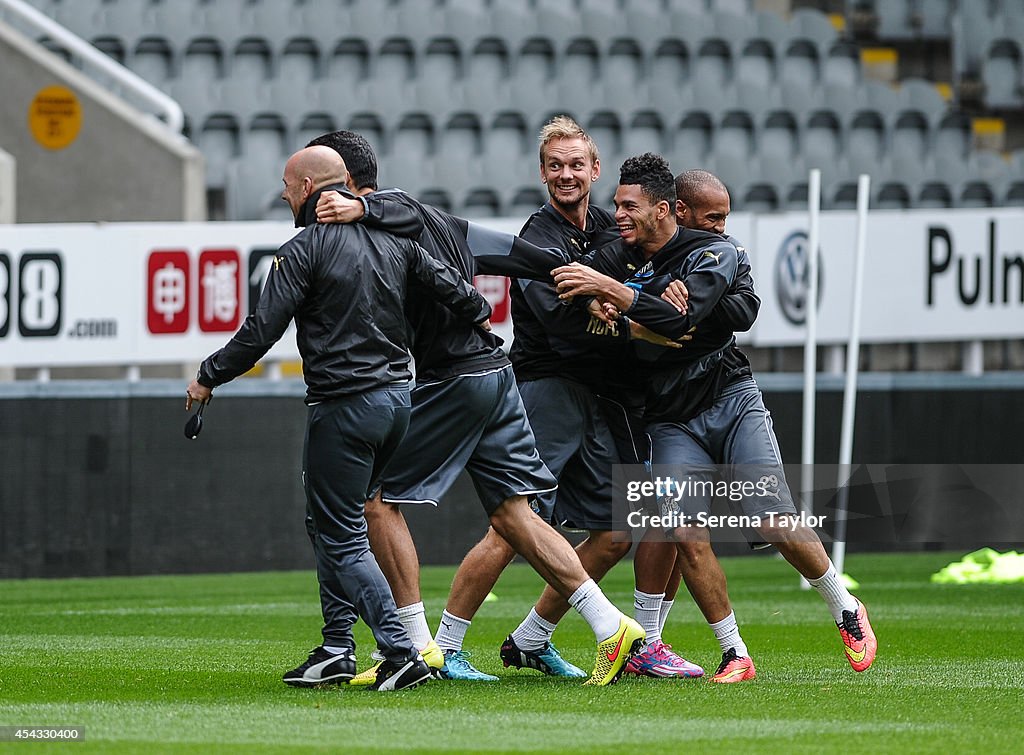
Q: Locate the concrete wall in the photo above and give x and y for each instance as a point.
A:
(98, 478)
(123, 165)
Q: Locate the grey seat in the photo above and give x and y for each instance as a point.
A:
(392, 72)
(410, 158)
(761, 197)
(558, 19)
(487, 75)
(371, 20)
(531, 87)
(600, 19)
(219, 139)
(246, 87)
(199, 76)
(310, 126)
(934, 18)
(328, 22)
(267, 138)
(973, 32)
(921, 94)
(756, 65)
(865, 141)
(153, 60)
(812, 25)
(294, 77)
(438, 80)
(894, 19)
(644, 19)
(508, 155)
(910, 135)
(734, 135)
(344, 84)
(800, 64)
(459, 148)
(437, 196)
(524, 201)
(976, 193)
(934, 195)
(605, 128)
(841, 66)
(644, 133)
(577, 85)
(822, 139)
(779, 135)
(712, 70)
(481, 203)
(1001, 73)
(892, 195)
(253, 185)
(691, 142)
(624, 77)
(670, 67)
(1013, 196)
(513, 21)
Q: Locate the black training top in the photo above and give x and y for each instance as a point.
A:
(346, 287)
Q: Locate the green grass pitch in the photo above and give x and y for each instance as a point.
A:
(193, 664)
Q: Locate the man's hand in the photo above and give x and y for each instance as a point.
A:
(580, 280)
(677, 295)
(332, 207)
(197, 392)
(603, 311)
(485, 325)
(641, 333)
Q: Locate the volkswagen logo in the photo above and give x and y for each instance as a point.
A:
(791, 278)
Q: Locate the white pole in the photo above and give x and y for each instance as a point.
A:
(810, 347)
(852, 361)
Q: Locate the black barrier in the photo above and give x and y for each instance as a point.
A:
(103, 483)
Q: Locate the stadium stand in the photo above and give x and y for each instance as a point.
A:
(780, 91)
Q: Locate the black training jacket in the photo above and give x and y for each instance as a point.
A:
(554, 338)
(442, 345)
(346, 288)
(683, 382)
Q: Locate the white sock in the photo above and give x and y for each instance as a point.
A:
(666, 606)
(834, 592)
(414, 619)
(728, 633)
(534, 633)
(596, 610)
(647, 612)
(451, 632)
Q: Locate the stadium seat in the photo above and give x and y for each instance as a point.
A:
(973, 32)
(487, 75)
(230, 21)
(219, 139)
(712, 70)
(691, 142)
(644, 19)
(813, 26)
(951, 137)
(799, 65)
(371, 20)
(481, 203)
(267, 136)
(670, 68)
(524, 201)
(438, 84)
(391, 76)
(645, 133)
(624, 77)
(370, 127)
(760, 197)
(153, 60)
(437, 197)
(310, 126)
(531, 87)
(891, 195)
(199, 76)
(600, 19)
(411, 155)
(459, 149)
(253, 185)
(110, 46)
(934, 195)
(1014, 194)
(922, 95)
(344, 86)
(894, 19)
(755, 65)
(577, 85)
(910, 135)
(840, 194)
(296, 76)
(841, 67)
(509, 156)
(513, 22)
(735, 135)
(605, 128)
(245, 88)
(974, 193)
(558, 19)
(735, 28)
(779, 135)
(865, 140)
(821, 143)
(1002, 74)
(796, 196)
(934, 18)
